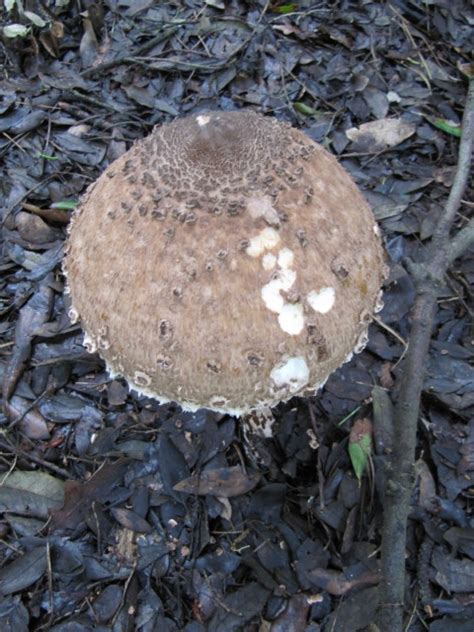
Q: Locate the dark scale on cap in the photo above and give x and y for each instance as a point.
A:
(339, 268)
(192, 203)
(166, 330)
(308, 194)
(148, 180)
(302, 238)
(213, 366)
(191, 218)
(128, 167)
(159, 214)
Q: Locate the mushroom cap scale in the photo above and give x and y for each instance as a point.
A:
(225, 261)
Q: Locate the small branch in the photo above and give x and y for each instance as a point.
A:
(461, 242)
(29, 456)
(428, 276)
(462, 173)
(108, 65)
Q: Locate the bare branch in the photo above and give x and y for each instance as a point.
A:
(428, 277)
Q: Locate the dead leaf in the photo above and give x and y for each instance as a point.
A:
(80, 496)
(426, 485)
(294, 616)
(452, 574)
(32, 423)
(89, 45)
(223, 481)
(32, 315)
(379, 135)
(31, 493)
(131, 520)
(336, 582)
(23, 572)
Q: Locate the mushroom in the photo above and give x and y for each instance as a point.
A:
(226, 261)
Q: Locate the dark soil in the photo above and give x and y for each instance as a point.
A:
(261, 534)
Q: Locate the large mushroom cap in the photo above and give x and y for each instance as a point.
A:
(226, 261)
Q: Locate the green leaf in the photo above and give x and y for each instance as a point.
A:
(359, 454)
(9, 4)
(302, 108)
(65, 205)
(446, 126)
(15, 30)
(286, 8)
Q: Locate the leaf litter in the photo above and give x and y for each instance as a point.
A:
(119, 513)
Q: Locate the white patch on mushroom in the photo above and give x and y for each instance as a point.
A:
(271, 296)
(323, 300)
(291, 318)
(262, 206)
(291, 375)
(290, 315)
(202, 120)
(269, 261)
(73, 315)
(362, 341)
(267, 239)
(379, 304)
(286, 278)
(89, 343)
(270, 292)
(348, 357)
(286, 258)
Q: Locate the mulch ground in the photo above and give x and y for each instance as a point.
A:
(260, 534)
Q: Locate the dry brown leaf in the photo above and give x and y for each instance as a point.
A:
(379, 135)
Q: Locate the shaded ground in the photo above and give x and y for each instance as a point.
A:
(279, 535)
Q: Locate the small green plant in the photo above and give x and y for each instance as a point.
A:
(360, 446)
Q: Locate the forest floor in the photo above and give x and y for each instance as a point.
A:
(93, 534)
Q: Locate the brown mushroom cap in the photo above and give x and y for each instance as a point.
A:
(226, 261)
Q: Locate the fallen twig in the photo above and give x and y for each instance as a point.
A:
(428, 277)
